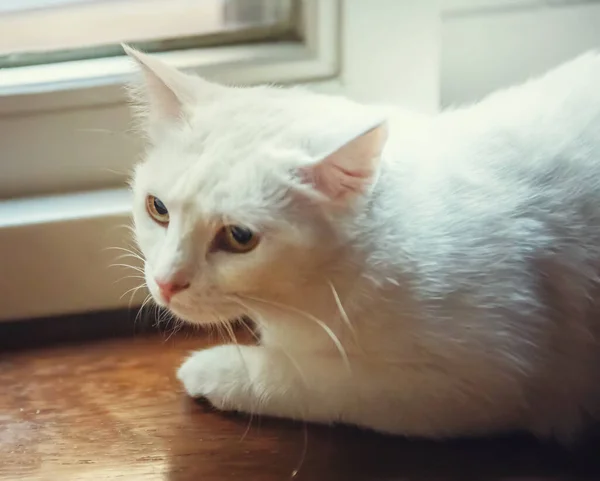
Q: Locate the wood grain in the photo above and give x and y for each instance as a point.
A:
(113, 410)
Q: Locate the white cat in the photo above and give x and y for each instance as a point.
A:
(423, 276)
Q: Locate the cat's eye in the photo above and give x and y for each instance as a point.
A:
(236, 239)
(157, 210)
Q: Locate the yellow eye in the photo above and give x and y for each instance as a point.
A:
(236, 239)
(157, 210)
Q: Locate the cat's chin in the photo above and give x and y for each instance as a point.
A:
(205, 316)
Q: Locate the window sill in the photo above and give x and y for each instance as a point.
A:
(30, 211)
(65, 253)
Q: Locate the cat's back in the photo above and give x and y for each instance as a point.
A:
(538, 145)
(548, 119)
(517, 147)
(568, 92)
(486, 187)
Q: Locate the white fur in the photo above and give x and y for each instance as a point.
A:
(452, 291)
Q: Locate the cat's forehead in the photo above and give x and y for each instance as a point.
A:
(231, 155)
(250, 118)
(240, 129)
(215, 174)
(228, 142)
(232, 182)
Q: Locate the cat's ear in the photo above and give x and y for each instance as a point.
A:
(352, 168)
(166, 94)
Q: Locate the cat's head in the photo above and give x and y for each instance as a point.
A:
(244, 193)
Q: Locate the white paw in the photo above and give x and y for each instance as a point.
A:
(219, 374)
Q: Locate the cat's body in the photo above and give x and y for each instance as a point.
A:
(449, 287)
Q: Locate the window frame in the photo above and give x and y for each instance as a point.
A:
(95, 82)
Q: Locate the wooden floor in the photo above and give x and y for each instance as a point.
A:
(112, 409)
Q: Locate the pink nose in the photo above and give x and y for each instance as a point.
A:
(169, 289)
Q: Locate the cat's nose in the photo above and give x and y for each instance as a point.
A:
(169, 289)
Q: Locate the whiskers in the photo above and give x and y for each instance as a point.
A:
(120, 262)
(169, 319)
(344, 316)
(293, 362)
(290, 309)
(225, 329)
(127, 253)
(145, 302)
(258, 317)
(137, 261)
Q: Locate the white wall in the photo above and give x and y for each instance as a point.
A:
(488, 44)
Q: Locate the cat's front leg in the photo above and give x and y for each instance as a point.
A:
(409, 400)
(259, 380)
(222, 375)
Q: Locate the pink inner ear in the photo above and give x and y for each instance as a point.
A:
(333, 180)
(351, 169)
